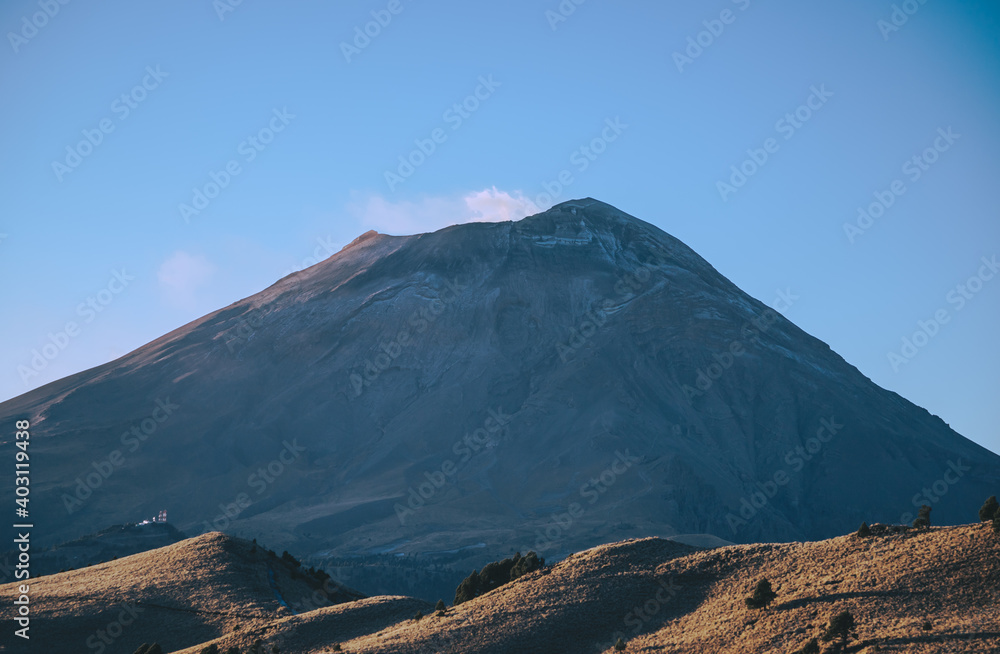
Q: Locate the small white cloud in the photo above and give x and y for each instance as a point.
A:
(181, 276)
(494, 206)
(432, 213)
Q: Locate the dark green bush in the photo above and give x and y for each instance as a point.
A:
(496, 574)
(763, 595)
(923, 517)
(864, 531)
(989, 509)
(841, 626)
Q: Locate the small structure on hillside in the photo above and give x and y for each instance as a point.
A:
(161, 517)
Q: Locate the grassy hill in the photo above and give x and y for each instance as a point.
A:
(909, 590)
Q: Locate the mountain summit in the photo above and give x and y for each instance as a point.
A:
(566, 380)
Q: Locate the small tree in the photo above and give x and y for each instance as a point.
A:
(923, 517)
(989, 510)
(418, 616)
(763, 595)
(440, 606)
(468, 589)
(864, 531)
(841, 626)
(927, 626)
(620, 645)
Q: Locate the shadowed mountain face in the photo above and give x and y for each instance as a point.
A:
(570, 379)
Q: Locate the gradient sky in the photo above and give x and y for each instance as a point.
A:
(552, 84)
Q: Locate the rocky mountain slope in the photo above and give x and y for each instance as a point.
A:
(570, 379)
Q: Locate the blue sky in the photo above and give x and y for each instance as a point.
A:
(168, 96)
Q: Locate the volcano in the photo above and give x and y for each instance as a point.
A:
(574, 378)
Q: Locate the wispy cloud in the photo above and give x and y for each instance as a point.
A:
(181, 276)
(436, 212)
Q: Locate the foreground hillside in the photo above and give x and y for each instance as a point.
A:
(179, 595)
(656, 595)
(660, 597)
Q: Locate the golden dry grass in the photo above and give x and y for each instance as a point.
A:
(659, 595)
(890, 582)
(186, 593)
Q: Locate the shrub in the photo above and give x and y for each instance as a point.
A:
(864, 531)
(841, 626)
(440, 606)
(923, 517)
(996, 525)
(468, 589)
(620, 645)
(418, 615)
(812, 647)
(527, 564)
(927, 626)
(989, 509)
(496, 574)
(763, 595)
(211, 649)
